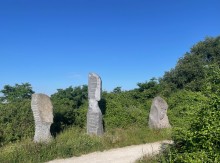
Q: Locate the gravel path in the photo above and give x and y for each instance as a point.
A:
(127, 154)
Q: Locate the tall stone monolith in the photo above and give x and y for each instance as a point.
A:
(158, 114)
(43, 116)
(94, 114)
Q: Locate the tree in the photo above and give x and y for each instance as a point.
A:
(16, 93)
(149, 89)
(189, 72)
(117, 90)
(208, 50)
(147, 85)
(71, 97)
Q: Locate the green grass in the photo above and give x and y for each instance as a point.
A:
(75, 142)
(161, 157)
(148, 159)
(153, 158)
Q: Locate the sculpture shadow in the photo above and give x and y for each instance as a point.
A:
(61, 121)
(56, 126)
(102, 106)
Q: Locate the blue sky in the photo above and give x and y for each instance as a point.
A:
(55, 43)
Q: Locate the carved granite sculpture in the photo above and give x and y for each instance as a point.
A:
(94, 114)
(158, 114)
(43, 116)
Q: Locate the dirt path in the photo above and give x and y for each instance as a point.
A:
(127, 154)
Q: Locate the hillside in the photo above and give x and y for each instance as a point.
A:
(191, 89)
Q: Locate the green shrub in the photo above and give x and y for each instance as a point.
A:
(66, 103)
(201, 141)
(122, 111)
(17, 122)
(184, 106)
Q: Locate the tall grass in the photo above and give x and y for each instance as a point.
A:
(148, 159)
(75, 142)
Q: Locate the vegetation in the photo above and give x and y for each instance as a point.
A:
(74, 142)
(16, 117)
(66, 104)
(201, 141)
(189, 72)
(192, 90)
(16, 93)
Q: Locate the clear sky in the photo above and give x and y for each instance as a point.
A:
(55, 43)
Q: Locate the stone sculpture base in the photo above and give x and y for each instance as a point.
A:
(164, 123)
(42, 133)
(94, 123)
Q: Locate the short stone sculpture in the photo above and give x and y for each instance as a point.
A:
(94, 114)
(158, 114)
(43, 116)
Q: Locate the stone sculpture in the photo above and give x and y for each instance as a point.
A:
(43, 116)
(94, 114)
(158, 114)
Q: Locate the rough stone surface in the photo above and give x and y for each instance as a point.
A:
(94, 87)
(158, 114)
(94, 122)
(94, 114)
(43, 116)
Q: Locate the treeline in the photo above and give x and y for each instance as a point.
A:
(191, 88)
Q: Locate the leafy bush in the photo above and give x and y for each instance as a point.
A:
(66, 103)
(184, 106)
(122, 110)
(201, 141)
(16, 121)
